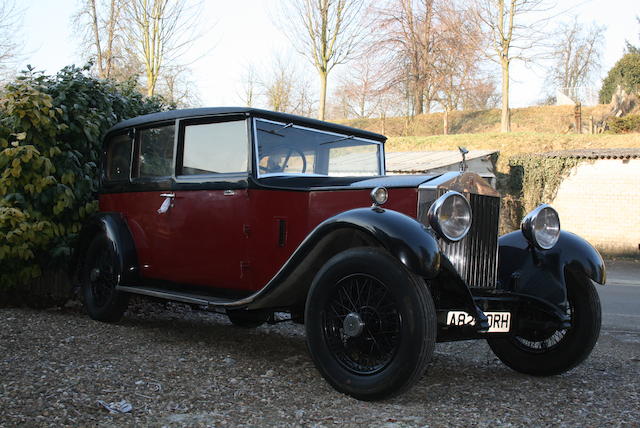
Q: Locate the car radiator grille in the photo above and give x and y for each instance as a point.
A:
(475, 257)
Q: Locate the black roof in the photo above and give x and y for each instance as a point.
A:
(267, 114)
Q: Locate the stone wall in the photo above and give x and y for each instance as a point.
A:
(600, 201)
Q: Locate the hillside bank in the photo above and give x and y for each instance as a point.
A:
(553, 119)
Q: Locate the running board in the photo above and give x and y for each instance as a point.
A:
(193, 299)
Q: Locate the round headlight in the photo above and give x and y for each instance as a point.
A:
(379, 195)
(542, 227)
(450, 216)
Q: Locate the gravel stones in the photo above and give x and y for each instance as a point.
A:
(179, 367)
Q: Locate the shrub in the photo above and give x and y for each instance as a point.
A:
(536, 179)
(50, 133)
(625, 73)
(624, 124)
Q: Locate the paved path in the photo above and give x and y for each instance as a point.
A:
(620, 298)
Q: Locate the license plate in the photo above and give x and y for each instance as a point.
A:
(499, 322)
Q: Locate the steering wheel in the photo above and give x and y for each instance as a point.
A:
(280, 167)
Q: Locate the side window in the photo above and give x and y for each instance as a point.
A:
(119, 157)
(156, 151)
(215, 148)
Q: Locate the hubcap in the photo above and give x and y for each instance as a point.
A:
(362, 324)
(353, 325)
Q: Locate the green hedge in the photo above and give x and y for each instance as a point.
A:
(624, 124)
(50, 134)
(535, 179)
(625, 73)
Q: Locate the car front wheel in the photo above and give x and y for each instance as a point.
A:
(551, 352)
(370, 324)
(99, 277)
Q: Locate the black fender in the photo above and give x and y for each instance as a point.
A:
(402, 236)
(525, 269)
(114, 227)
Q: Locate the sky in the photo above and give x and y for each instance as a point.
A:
(242, 32)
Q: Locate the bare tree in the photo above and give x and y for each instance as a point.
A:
(577, 54)
(10, 22)
(304, 103)
(176, 86)
(515, 29)
(457, 58)
(279, 87)
(360, 87)
(98, 20)
(327, 32)
(101, 22)
(249, 89)
(407, 39)
(160, 31)
(481, 96)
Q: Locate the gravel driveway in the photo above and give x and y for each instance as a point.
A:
(179, 367)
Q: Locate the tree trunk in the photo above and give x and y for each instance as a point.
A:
(151, 84)
(505, 120)
(445, 122)
(323, 94)
(418, 102)
(96, 35)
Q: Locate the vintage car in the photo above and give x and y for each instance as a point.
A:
(268, 217)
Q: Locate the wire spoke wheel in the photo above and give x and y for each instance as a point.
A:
(370, 324)
(545, 341)
(549, 351)
(99, 279)
(362, 324)
(102, 276)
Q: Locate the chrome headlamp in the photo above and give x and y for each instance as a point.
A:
(450, 216)
(541, 227)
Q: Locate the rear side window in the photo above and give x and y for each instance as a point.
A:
(215, 148)
(156, 152)
(119, 158)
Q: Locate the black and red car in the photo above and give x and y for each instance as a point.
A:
(253, 212)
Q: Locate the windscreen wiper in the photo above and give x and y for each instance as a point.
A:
(350, 137)
(275, 131)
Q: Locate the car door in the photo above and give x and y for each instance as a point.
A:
(151, 175)
(207, 211)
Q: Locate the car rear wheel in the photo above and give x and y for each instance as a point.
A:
(370, 324)
(546, 353)
(99, 277)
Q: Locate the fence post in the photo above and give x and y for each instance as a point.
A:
(577, 114)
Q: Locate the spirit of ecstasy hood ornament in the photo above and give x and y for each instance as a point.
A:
(463, 164)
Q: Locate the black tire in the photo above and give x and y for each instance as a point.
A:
(555, 352)
(246, 319)
(99, 277)
(370, 324)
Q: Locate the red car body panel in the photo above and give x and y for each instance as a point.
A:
(232, 241)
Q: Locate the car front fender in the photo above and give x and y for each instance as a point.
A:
(402, 236)
(543, 273)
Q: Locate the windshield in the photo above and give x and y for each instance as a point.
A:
(285, 148)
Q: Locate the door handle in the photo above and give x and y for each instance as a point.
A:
(167, 203)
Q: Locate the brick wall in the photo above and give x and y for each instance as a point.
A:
(600, 201)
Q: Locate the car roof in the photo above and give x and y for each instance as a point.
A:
(248, 111)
